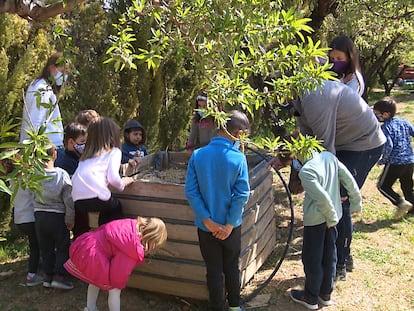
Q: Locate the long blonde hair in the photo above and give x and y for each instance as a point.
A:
(103, 135)
(153, 233)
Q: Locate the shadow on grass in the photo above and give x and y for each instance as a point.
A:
(379, 224)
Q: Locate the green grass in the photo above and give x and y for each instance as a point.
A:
(12, 250)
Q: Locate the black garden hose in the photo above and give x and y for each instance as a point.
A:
(289, 238)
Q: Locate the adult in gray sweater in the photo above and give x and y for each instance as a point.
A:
(338, 116)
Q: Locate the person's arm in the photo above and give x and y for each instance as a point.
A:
(318, 194)
(387, 148)
(69, 206)
(410, 128)
(113, 176)
(240, 196)
(192, 192)
(192, 139)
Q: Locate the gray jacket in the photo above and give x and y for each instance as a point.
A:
(338, 116)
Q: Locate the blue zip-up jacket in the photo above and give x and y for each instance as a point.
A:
(217, 183)
(397, 149)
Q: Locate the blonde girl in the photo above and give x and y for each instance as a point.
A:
(106, 257)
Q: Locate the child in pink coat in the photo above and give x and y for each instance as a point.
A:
(105, 258)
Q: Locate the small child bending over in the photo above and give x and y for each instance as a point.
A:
(106, 257)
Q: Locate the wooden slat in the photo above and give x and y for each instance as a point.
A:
(255, 246)
(180, 270)
(171, 287)
(183, 251)
(255, 213)
(260, 259)
(157, 209)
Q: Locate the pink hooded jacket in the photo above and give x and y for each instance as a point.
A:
(106, 257)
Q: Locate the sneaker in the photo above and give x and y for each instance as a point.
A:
(325, 300)
(349, 264)
(34, 280)
(47, 280)
(299, 297)
(240, 308)
(403, 207)
(340, 274)
(59, 282)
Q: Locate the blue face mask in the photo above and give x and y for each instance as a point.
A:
(200, 113)
(60, 78)
(79, 148)
(296, 165)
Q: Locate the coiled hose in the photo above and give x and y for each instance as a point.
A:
(289, 238)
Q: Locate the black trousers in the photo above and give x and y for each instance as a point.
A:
(390, 174)
(222, 257)
(108, 211)
(54, 241)
(29, 229)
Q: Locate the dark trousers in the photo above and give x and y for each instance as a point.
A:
(108, 211)
(319, 260)
(359, 163)
(222, 257)
(29, 229)
(390, 174)
(54, 241)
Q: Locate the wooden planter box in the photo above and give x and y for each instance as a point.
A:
(178, 268)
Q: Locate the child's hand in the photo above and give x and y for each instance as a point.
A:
(276, 164)
(69, 226)
(134, 162)
(127, 180)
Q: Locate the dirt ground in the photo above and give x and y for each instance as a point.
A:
(383, 251)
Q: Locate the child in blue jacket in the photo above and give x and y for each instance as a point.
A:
(217, 189)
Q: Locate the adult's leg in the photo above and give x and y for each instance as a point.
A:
(359, 163)
(312, 259)
(212, 252)
(29, 229)
(386, 180)
(231, 254)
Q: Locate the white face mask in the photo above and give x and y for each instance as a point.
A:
(60, 78)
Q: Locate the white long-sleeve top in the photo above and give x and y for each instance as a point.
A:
(34, 117)
(93, 176)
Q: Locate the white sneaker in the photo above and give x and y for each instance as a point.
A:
(403, 207)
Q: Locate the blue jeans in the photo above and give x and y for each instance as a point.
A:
(359, 163)
(319, 260)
